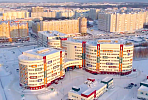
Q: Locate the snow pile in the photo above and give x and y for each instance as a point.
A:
(48, 96)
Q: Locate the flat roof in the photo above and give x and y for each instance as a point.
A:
(107, 79)
(145, 82)
(99, 41)
(52, 33)
(143, 88)
(42, 51)
(86, 89)
(93, 88)
(38, 53)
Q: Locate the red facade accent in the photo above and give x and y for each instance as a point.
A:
(44, 58)
(63, 39)
(42, 86)
(105, 72)
(60, 54)
(91, 79)
(33, 77)
(94, 92)
(98, 45)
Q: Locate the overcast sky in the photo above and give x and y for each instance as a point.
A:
(78, 0)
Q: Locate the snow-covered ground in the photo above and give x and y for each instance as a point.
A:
(10, 89)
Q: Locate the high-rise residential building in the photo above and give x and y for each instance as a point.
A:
(12, 15)
(121, 22)
(37, 9)
(64, 26)
(93, 13)
(50, 14)
(12, 31)
(146, 18)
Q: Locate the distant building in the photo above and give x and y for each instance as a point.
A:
(121, 22)
(37, 9)
(93, 14)
(13, 31)
(50, 14)
(64, 26)
(12, 15)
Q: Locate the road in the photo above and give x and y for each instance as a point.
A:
(17, 45)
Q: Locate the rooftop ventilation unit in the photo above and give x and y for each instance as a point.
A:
(75, 88)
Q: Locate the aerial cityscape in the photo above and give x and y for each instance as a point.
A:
(74, 50)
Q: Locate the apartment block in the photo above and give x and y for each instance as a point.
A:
(12, 15)
(37, 9)
(121, 22)
(64, 26)
(12, 31)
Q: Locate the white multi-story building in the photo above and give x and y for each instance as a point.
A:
(109, 57)
(121, 21)
(143, 91)
(101, 57)
(93, 13)
(51, 38)
(90, 90)
(40, 67)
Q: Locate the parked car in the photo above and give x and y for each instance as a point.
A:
(17, 70)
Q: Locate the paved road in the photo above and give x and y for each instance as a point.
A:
(16, 45)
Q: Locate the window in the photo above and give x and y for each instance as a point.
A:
(74, 96)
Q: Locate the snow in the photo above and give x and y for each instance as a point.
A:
(52, 33)
(92, 89)
(143, 88)
(145, 82)
(106, 79)
(10, 80)
(38, 53)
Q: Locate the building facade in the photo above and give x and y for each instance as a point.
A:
(121, 22)
(12, 31)
(37, 9)
(51, 39)
(40, 67)
(50, 14)
(15, 15)
(102, 57)
(63, 26)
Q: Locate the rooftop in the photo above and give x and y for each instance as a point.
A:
(52, 33)
(88, 89)
(100, 41)
(145, 82)
(107, 79)
(143, 88)
(37, 54)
